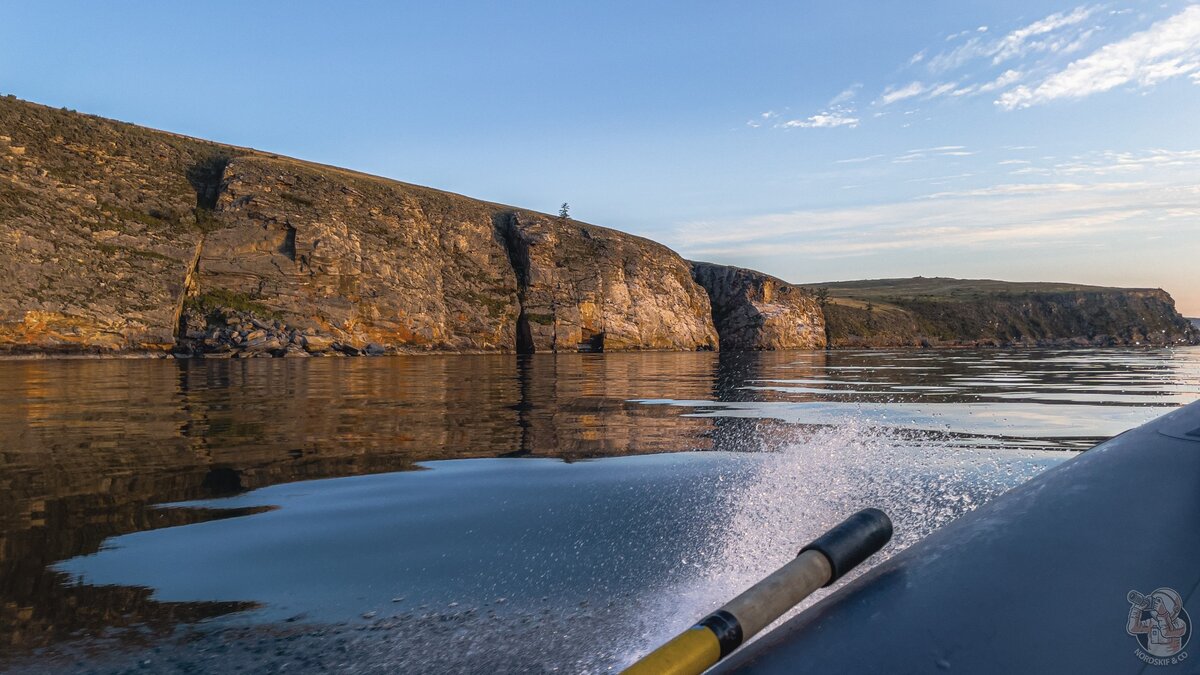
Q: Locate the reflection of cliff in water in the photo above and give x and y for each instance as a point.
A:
(86, 447)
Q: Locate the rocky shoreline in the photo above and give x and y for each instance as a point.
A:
(121, 240)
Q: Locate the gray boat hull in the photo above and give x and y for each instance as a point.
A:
(1036, 581)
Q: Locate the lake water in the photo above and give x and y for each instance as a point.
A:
(489, 513)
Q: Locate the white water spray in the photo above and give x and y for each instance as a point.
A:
(808, 480)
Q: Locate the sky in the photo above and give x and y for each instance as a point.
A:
(1026, 141)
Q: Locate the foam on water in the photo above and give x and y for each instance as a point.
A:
(808, 481)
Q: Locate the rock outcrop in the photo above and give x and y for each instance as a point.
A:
(984, 313)
(98, 228)
(120, 239)
(116, 238)
(358, 259)
(756, 311)
(588, 288)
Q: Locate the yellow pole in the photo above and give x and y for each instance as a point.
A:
(819, 564)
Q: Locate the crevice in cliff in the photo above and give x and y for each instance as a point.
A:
(288, 247)
(205, 177)
(506, 227)
(716, 305)
(191, 287)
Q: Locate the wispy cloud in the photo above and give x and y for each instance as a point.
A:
(823, 120)
(1005, 79)
(921, 154)
(1004, 216)
(857, 160)
(1034, 63)
(1020, 42)
(894, 94)
(846, 95)
(1168, 49)
(940, 89)
(1053, 33)
(1113, 163)
(840, 112)
(761, 119)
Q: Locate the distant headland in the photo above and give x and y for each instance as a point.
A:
(118, 239)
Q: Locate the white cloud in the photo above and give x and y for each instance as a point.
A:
(894, 94)
(1054, 33)
(1007, 78)
(846, 95)
(957, 57)
(1108, 163)
(993, 218)
(1018, 43)
(856, 160)
(1009, 189)
(1167, 49)
(939, 89)
(822, 120)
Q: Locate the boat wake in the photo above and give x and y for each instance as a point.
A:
(808, 480)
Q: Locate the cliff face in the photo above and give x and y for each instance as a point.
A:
(756, 311)
(1014, 315)
(589, 288)
(98, 226)
(116, 238)
(119, 238)
(357, 259)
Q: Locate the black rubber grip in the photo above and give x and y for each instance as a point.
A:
(727, 629)
(853, 541)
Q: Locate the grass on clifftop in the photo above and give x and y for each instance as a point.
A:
(946, 289)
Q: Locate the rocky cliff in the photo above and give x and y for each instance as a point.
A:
(942, 312)
(756, 311)
(118, 238)
(587, 288)
(115, 238)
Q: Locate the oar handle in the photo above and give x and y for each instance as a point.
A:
(820, 563)
(852, 541)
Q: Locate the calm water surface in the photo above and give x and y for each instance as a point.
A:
(489, 513)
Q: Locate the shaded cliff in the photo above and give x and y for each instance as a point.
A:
(964, 312)
(119, 238)
(756, 311)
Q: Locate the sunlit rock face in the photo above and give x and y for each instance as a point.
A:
(359, 259)
(97, 229)
(1004, 315)
(117, 238)
(756, 311)
(590, 288)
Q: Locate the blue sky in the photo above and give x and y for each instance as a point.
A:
(816, 141)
